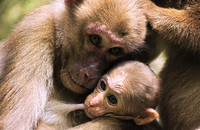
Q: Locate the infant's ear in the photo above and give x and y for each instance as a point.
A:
(146, 117)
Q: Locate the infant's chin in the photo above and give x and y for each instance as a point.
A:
(89, 114)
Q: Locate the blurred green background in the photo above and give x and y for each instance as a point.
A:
(12, 11)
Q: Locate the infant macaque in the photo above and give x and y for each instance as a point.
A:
(129, 91)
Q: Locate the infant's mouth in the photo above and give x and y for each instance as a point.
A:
(90, 115)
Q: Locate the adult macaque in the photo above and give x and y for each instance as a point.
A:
(180, 27)
(179, 106)
(61, 48)
(129, 91)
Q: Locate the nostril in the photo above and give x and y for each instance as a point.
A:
(86, 76)
(90, 105)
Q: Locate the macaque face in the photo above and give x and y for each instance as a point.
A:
(101, 34)
(104, 101)
(129, 91)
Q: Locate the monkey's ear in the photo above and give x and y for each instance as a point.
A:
(146, 117)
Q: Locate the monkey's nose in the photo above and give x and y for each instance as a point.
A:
(94, 102)
(89, 80)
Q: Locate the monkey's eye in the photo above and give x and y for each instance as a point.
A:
(95, 40)
(103, 85)
(116, 51)
(112, 99)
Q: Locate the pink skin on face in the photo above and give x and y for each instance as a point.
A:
(96, 29)
(94, 106)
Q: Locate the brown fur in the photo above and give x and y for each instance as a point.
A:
(115, 124)
(48, 56)
(46, 40)
(182, 27)
(179, 107)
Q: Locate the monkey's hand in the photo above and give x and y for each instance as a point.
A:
(181, 26)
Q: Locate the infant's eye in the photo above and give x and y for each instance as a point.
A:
(103, 85)
(112, 99)
(95, 39)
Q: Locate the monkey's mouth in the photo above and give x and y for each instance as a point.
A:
(90, 115)
(76, 85)
(75, 81)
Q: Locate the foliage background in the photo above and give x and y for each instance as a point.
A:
(12, 11)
